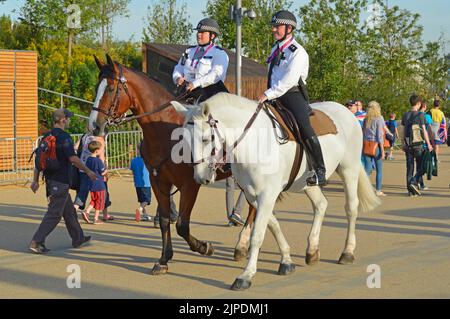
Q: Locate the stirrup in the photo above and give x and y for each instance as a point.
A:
(316, 181)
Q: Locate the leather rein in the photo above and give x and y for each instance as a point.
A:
(113, 118)
(215, 160)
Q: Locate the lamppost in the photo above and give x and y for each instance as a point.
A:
(236, 14)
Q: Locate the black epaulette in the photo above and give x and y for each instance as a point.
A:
(292, 47)
(219, 48)
(185, 56)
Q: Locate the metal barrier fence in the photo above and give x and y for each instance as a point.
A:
(14, 156)
(120, 149)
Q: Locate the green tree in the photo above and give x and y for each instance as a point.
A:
(7, 40)
(257, 38)
(127, 53)
(434, 66)
(56, 19)
(109, 10)
(167, 22)
(391, 51)
(330, 34)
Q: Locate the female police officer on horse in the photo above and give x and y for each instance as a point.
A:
(288, 70)
(202, 69)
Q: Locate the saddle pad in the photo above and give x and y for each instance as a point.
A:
(321, 123)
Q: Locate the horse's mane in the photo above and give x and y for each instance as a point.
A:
(224, 100)
(145, 76)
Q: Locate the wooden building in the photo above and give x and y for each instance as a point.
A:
(18, 107)
(160, 60)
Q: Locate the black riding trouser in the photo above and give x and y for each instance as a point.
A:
(202, 94)
(299, 107)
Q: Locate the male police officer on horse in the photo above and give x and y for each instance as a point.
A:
(202, 69)
(288, 70)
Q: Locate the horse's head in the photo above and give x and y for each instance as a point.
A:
(206, 141)
(113, 98)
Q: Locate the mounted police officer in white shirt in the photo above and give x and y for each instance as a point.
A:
(288, 70)
(202, 69)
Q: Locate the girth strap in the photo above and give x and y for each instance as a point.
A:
(295, 166)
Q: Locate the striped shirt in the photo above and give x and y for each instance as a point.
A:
(361, 115)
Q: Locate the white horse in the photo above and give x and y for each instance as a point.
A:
(262, 186)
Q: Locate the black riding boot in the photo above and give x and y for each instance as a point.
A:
(314, 152)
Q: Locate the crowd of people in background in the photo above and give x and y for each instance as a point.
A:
(423, 132)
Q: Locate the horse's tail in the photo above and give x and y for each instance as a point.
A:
(368, 200)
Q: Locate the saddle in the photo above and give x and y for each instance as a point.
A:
(280, 116)
(321, 123)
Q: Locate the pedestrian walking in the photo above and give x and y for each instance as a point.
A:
(439, 126)
(392, 126)
(97, 187)
(141, 179)
(415, 134)
(54, 156)
(373, 134)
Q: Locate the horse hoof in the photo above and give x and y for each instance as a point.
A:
(240, 254)
(159, 269)
(312, 259)
(286, 269)
(240, 284)
(346, 259)
(209, 250)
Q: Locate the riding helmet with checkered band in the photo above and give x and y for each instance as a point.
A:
(284, 17)
(208, 24)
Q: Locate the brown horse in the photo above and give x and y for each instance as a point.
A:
(120, 89)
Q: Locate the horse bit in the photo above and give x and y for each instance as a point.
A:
(112, 117)
(218, 162)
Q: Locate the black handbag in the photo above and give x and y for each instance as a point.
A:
(74, 178)
(74, 172)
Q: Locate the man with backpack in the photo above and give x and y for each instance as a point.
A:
(415, 134)
(54, 156)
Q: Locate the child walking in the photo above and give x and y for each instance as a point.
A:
(97, 188)
(142, 184)
(392, 126)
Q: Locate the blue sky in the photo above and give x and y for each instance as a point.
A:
(435, 15)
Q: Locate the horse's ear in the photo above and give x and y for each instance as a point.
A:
(111, 64)
(180, 108)
(110, 61)
(100, 64)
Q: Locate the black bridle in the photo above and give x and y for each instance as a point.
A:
(112, 115)
(215, 161)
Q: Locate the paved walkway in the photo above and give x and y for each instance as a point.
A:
(408, 238)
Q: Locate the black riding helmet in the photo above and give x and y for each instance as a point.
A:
(210, 25)
(284, 17)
